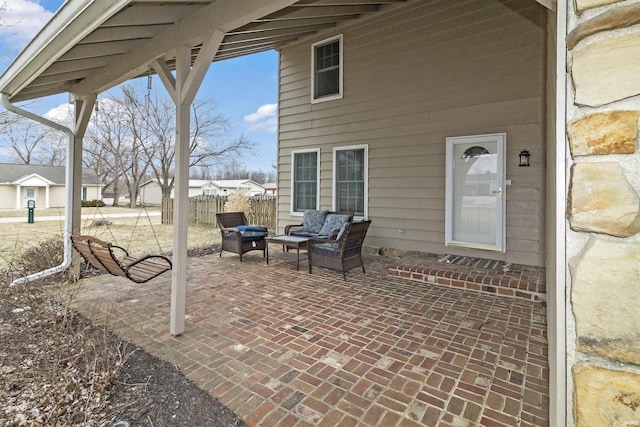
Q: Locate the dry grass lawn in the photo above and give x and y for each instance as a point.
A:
(139, 234)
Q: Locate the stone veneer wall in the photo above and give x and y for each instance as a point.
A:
(603, 107)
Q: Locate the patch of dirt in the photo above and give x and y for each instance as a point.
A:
(148, 391)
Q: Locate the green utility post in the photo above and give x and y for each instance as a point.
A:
(31, 206)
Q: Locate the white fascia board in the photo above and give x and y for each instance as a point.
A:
(32, 177)
(74, 21)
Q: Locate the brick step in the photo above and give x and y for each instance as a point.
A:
(519, 281)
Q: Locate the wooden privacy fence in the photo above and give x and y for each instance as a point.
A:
(203, 210)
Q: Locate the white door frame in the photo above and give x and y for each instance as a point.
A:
(499, 139)
(26, 197)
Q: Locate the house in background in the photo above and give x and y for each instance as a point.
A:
(45, 185)
(151, 194)
(270, 188)
(232, 186)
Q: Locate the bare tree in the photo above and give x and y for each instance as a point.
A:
(105, 145)
(114, 146)
(208, 145)
(30, 143)
(234, 169)
(137, 157)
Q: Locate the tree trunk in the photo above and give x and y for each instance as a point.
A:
(116, 190)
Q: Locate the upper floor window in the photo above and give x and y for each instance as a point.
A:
(350, 165)
(327, 69)
(305, 179)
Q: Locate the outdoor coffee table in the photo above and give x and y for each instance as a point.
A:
(289, 242)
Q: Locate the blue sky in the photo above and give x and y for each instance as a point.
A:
(244, 89)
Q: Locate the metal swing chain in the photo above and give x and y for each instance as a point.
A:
(103, 218)
(135, 226)
(153, 230)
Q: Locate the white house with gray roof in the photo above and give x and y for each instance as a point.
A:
(45, 185)
(151, 193)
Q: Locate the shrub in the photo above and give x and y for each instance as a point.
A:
(56, 366)
(93, 203)
(47, 254)
(238, 202)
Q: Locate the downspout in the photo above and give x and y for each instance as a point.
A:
(66, 262)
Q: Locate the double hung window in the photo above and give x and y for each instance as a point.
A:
(350, 166)
(327, 69)
(305, 179)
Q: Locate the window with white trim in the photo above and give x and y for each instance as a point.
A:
(305, 180)
(350, 165)
(326, 64)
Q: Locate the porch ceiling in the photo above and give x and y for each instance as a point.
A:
(90, 48)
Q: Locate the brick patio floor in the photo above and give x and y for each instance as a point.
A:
(281, 347)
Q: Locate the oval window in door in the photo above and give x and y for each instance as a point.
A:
(474, 152)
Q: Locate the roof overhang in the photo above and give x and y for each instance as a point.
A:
(90, 46)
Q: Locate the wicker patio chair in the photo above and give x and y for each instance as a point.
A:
(238, 236)
(341, 254)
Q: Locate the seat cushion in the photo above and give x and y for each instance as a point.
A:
(313, 220)
(242, 228)
(251, 233)
(331, 249)
(333, 222)
(303, 234)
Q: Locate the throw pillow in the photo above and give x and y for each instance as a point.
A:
(342, 230)
(333, 222)
(313, 220)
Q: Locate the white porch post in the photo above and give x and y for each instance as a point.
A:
(46, 196)
(181, 199)
(83, 106)
(183, 89)
(18, 191)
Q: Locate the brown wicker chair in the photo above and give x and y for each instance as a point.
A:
(341, 254)
(238, 236)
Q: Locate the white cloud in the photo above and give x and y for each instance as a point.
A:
(62, 114)
(264, 119)
(20, 21)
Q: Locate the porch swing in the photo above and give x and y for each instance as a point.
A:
(101, 255)
(116, 260)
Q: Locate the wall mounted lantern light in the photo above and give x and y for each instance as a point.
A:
(524, 158)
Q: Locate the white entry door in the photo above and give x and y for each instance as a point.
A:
(30, 193)
(475, 192)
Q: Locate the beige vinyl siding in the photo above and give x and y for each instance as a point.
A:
(57, 196)
(151, 194)
(7, 197)
(94, 193)
(413, 76)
